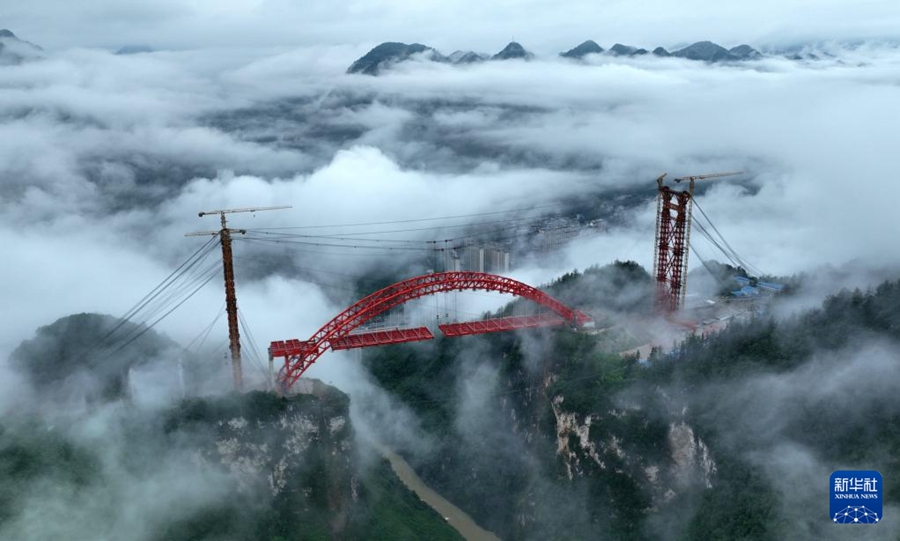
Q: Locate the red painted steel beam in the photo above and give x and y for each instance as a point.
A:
(299, 356)
(381, 338)
(501, 324)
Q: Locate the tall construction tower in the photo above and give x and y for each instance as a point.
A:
(234, 338)
(673, 239)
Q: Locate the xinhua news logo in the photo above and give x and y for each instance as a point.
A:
(856, 497)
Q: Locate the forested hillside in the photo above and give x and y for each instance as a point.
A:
(85, 458)
(730, 436)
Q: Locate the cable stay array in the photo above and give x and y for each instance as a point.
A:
(196, 344)
(363, 247)
(250, 347)
(410, 239)
(368, 239)
(413, 239)
(417, 220)
(711, 233)
(344, 236)
(705, 263)
(177, 288)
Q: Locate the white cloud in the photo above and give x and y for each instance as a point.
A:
(459, 24)
(80, 129)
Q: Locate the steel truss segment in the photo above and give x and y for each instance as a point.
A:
(672, 241)
(382, 337)
(300, 355)
(501, 324)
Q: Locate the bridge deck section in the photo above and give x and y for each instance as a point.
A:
(380, 338)
(501, 324)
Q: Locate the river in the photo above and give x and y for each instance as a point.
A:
(455, 516)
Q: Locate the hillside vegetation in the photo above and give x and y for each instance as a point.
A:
(730, 436)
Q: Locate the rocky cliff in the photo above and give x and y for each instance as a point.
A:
(545, 434)
(85, 457)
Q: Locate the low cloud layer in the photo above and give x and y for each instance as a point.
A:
(547, 26)
(106, 161)
(770, 409)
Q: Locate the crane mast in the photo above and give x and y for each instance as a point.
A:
(234, 339)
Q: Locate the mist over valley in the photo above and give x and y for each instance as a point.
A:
(500, 163)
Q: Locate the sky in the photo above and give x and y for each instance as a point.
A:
(543, 25)
(105, 160)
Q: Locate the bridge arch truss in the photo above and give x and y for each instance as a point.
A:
(300, 355)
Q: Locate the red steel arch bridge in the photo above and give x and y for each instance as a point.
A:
(338, 334)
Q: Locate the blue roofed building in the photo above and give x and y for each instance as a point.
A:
(750, 287)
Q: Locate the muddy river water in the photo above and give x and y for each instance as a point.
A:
(455, 516)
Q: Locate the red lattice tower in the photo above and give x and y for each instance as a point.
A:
(670, 258)
(673, 239)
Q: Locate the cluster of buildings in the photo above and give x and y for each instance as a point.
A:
(473, 255)
(546, 237)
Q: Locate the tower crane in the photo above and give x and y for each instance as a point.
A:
(231, 307)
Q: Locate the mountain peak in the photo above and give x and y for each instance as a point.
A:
(626, 50)
(513, 50)
(706, 51)
(15, 51)
(389, 52)
(586, 48)
(466, 57)
(744, 52)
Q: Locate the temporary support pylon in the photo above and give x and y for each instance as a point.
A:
(673, 239)
(673, 219)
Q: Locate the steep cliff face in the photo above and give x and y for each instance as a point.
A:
(628, 459)
(689, 459)
(535, 443)
(686, 465)
(237, 467)
(108, 449)
(543, 435)
(298, 452)
(299, 456)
